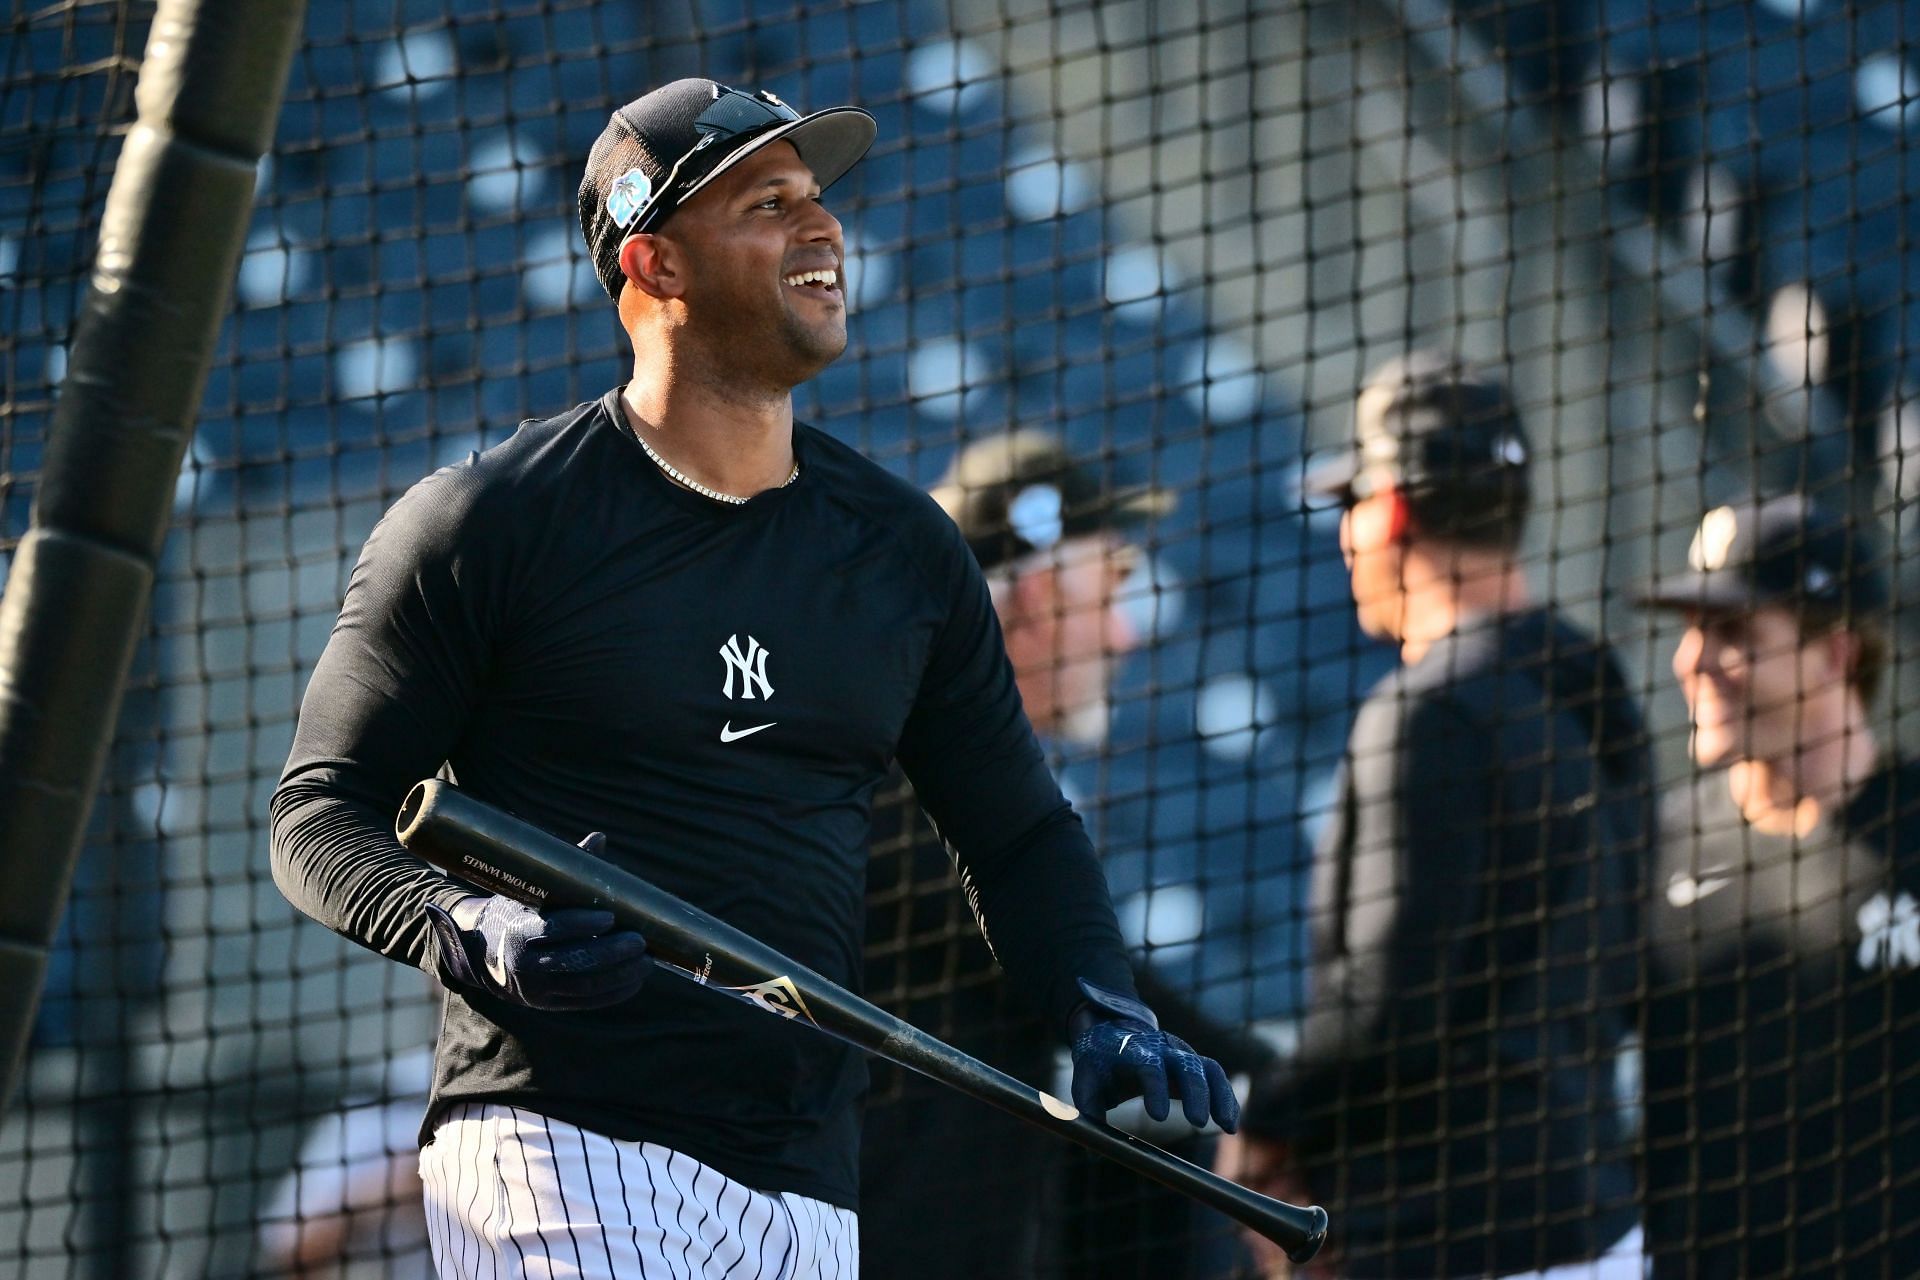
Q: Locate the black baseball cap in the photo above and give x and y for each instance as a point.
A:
(1021, 492)
(659, 149)
(1426, 423)
(1785, 550)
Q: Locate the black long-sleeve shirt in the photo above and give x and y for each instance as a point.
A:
(1783, 1040)
(718, 688)
(1473, 945)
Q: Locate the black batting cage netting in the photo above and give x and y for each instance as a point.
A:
(1442, 471)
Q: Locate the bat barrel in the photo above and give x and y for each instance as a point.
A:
(502, 854)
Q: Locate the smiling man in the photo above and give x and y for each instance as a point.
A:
(1782, 1033)
(678, 616)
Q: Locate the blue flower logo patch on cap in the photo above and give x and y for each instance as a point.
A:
(1037, 515)
(628, 196)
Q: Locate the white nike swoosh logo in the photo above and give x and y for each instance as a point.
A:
(729, 734)
(1684, 891)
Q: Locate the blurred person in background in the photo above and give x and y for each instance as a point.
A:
(1783, 1028)
(351, 1204)
(1451, 1102)
(1052, 536)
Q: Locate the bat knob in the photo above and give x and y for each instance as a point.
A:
(1316, 1235)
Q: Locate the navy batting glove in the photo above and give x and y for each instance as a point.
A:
(1120, 1053)
(564, 959)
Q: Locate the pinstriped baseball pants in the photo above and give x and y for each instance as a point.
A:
(514, 1195)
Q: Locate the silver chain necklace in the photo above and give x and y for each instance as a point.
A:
(674, 474)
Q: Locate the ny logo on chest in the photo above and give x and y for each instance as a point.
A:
(1889, 932)
(748, 668)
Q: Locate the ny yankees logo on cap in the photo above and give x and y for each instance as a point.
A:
(1714, 540)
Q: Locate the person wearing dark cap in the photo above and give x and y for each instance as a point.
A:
(677, 616)
(1051, 537)
(1054, 541)
(1470, 981)
(1783, 1021)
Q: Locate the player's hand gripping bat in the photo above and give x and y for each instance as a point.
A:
(495, 851)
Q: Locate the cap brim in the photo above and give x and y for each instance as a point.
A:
(830, 142)
(1139, 504)
(1698, 590)
(1331, 479)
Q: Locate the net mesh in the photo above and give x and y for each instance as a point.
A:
(1179, 238)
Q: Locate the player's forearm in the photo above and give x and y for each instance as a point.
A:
(1385, 979)
(336, 859)
(1393, 896)
(1365, 956)
(1044, 906)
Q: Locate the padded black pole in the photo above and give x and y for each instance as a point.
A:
(76, 599)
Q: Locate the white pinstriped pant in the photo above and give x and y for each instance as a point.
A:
(514, 1195)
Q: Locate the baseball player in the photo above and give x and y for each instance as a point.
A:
(1782, 1033)
(676, 616)
(1451, 1099)
(1052, 537)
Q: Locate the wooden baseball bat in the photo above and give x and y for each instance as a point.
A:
(495, 851)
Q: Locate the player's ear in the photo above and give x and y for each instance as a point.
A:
(1399, 515)
(1376, 522)
(653, 265)
(1843, 653)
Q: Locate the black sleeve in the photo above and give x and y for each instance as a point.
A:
(386, 704)
(1024, 857)
(1394, 885)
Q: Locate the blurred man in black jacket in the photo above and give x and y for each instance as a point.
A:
(1451, 1103)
